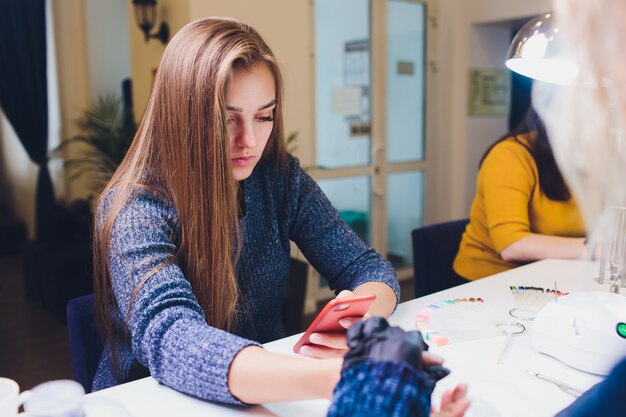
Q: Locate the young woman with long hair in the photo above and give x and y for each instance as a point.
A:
(523, 210)
(191, 239)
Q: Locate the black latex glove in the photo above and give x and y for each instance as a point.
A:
(373, 339)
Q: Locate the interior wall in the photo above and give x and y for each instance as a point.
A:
(73, 75)
(489, 44)
(446, 98)
(145, 57)
(461, 38)
(109, 50)
(492, 11)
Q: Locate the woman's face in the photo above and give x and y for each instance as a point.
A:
(250, 103)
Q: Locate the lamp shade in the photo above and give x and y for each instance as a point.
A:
(536, 52)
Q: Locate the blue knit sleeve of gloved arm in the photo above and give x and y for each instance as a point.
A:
(383, 373)
(381, 389)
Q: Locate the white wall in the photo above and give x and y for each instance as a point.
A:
(462, 33)
(488, 44)
(108, 49)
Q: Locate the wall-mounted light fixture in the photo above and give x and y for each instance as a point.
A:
(145, 16)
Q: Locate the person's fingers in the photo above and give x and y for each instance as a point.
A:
(455, 409)
(452, 395)
(453, 402)
(322, 352)
(346, 322)
(460, 392)
(430, 358)
(446, 399)
(345, 293)
(331, 340)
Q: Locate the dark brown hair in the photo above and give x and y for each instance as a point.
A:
(551, 180)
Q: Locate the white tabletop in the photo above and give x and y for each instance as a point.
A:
(496, 389)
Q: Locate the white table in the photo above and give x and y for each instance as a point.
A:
(504, 387)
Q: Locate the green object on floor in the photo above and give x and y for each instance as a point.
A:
(358, 221)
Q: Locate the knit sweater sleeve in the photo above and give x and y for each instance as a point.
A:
(382, 388)
(327, 242)
(169, 334)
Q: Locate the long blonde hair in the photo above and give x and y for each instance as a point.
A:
(181, 151)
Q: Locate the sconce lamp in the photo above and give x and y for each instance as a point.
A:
(145, 15)
(536, 53)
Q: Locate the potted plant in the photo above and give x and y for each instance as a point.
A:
(106, 131)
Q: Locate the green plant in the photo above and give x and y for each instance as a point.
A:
(106, 131)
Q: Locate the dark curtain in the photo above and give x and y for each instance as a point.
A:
(23, 93)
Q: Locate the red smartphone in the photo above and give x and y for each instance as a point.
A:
(327, 321)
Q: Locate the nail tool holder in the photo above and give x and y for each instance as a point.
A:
(530, 300)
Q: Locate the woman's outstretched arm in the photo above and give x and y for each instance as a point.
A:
(258, 376)
(535, 246)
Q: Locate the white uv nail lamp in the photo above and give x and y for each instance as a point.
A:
(585, 330)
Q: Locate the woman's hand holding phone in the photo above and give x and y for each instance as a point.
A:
(317, 343)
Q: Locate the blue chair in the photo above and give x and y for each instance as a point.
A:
(434, 250)
(86, 345)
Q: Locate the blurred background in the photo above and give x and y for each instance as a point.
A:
(389, 106)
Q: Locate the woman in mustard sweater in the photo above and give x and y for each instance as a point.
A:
(523, 210)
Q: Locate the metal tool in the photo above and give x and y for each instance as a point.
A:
(510, 329)
(565, 387)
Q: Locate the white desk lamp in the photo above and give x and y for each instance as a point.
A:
(535, 53)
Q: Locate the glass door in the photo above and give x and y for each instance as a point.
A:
(370, 119)
(402, 161)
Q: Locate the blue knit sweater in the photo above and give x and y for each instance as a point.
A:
(169, 337)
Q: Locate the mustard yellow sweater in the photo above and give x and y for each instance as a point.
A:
(508, 206)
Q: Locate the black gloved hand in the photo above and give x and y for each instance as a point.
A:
(373, 339)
